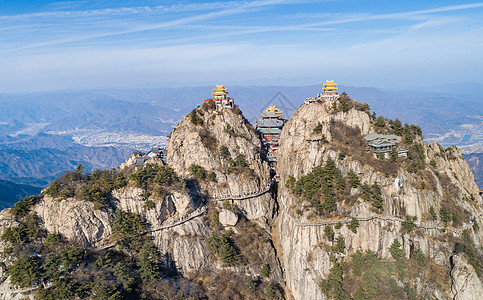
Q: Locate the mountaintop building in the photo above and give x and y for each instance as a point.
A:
(384, 143)
(158, 152)
(330, 93)
(269, 126)
(220, 98)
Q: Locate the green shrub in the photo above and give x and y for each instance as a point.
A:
(149, 204)
(265, 270)
(433, 214)
(396, 250)
(332, 286)
(52, 241)
(212, 177)
(215, 219)
(22, 207)
(318, 128)
(338, 225)
(409, 225)
(444, 215)
(127, 223)
(120, 181)
(195, 118)
(344, 105)
(342, 155)
(473, 254)
(353, 225)
(353, 179)
(433, 163)
(394, 155)
(269, 291)
(380, 121)
(148, 264)
(70, 257)
(376, 195)
(240, 161)
(396, 127)
(251, 284)
(197, 171)
(223, 247)
(61, 289)
(25, 231)
(339, 246)
(230, 206)
(290, 184)
(152, 174)
(322, 188)
(25, 270)
(420, 257)
(329, 233)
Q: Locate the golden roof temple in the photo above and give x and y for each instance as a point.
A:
(330, 87)
(219, 97)
(273, 109)
(330, 93)
(219, 92)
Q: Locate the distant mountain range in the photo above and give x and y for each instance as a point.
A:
(44, 134)
(11, 192)
(44, 157)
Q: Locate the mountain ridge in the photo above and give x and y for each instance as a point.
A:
(333, 207)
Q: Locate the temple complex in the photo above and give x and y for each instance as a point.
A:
(330, 93)
(220, 98)
(270, 127)
(158, 152)
(384, 144)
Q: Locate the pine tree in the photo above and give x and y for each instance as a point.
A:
(396, 250)
(148, 264)
(353, 179)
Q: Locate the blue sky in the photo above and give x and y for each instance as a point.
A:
(48, 45)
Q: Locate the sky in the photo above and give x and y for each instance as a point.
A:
(49, 45)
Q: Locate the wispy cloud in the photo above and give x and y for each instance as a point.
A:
(136, 10)
(228, 8)
(86, 44)
(409, 15)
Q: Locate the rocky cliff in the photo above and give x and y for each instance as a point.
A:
(339, 223)
(445, 182)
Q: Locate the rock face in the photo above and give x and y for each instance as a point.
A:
(219, 155)
(200, 144)
(74, 219)
(228, 218)
(302, 242)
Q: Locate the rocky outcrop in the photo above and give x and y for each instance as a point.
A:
(303, 247)
(74, 219)
(228, 218)
(288, 237)
(200, 144)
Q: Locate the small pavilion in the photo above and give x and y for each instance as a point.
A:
(330, 93)
(220, 98)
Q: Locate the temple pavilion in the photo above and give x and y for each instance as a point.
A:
(384, 143)
(270, 127)
(330, 93)
(220, 98)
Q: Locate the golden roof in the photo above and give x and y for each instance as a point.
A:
(330, 83)
(219, 90)
(272, 108)
(330, 87)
